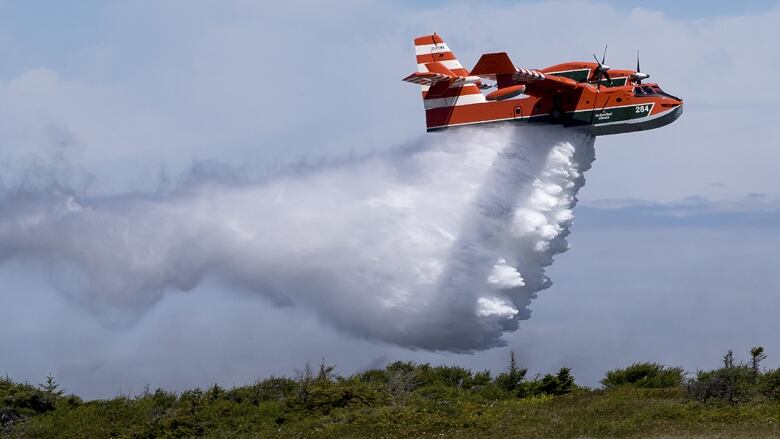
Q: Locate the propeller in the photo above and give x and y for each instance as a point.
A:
(602, 70)
(639, 75)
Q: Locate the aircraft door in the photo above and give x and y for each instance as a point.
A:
(557, 107)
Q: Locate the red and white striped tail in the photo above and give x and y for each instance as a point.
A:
(433, 49)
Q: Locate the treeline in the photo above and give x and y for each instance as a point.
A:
(733, 383)
(401, 392)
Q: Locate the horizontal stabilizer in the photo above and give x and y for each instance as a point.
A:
(426, 78)
(437, 67)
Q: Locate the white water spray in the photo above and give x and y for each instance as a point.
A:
(438, 246)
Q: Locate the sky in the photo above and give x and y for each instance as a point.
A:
(673, 245)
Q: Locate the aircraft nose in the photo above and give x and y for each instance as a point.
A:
(678, 110)
(672, 103)
(670, 100)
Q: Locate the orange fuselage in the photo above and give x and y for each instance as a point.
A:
(616, 106)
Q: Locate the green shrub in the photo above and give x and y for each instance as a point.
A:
(438, 398)
(51, 387)
(273, 411)
(644, 375)
(453, 376)
(20, 401)
(162, 398)
(512, 379)
(71, 401)
(407, 376)
(9, 416)
(559, 384)
(324, 396)
(415, 400)
(403, 377)
(491, 392)
(729, 384)
(757, 355)
(481, 378)
(769, 384)
(375, 376)
(27, 398)
(401, 366)
(736, 382)
(215, 393)
(269, 389)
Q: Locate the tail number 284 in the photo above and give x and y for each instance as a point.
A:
(643, 108)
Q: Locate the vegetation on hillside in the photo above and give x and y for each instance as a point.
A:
(415, 400)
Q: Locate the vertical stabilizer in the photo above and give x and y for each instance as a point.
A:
(433, 51)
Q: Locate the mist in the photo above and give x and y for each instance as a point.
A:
(439, 245)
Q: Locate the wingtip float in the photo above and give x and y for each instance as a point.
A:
(588, 95)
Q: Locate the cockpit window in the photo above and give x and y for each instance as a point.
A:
(646, 90)
(658, 91)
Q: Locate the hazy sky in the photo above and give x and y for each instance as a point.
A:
(160, 84)
(110, 98)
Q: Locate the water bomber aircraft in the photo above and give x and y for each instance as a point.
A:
(588, 95)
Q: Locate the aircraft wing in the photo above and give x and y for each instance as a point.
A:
(498, 67)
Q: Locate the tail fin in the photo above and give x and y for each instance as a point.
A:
(441, 75)
(432, 48)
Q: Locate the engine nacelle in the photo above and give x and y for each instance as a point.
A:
(506, 93)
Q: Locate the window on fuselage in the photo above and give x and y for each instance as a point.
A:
(639, 92)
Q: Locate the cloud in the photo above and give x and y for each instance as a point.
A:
(755, 211)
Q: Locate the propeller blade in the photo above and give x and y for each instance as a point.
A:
(597, 72)
(637, 61)
(601, 70)
(638, 70)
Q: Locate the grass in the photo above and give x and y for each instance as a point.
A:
(400, 401)
(619, 412)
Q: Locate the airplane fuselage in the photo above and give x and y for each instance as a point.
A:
(583, 95)
(611, 108)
